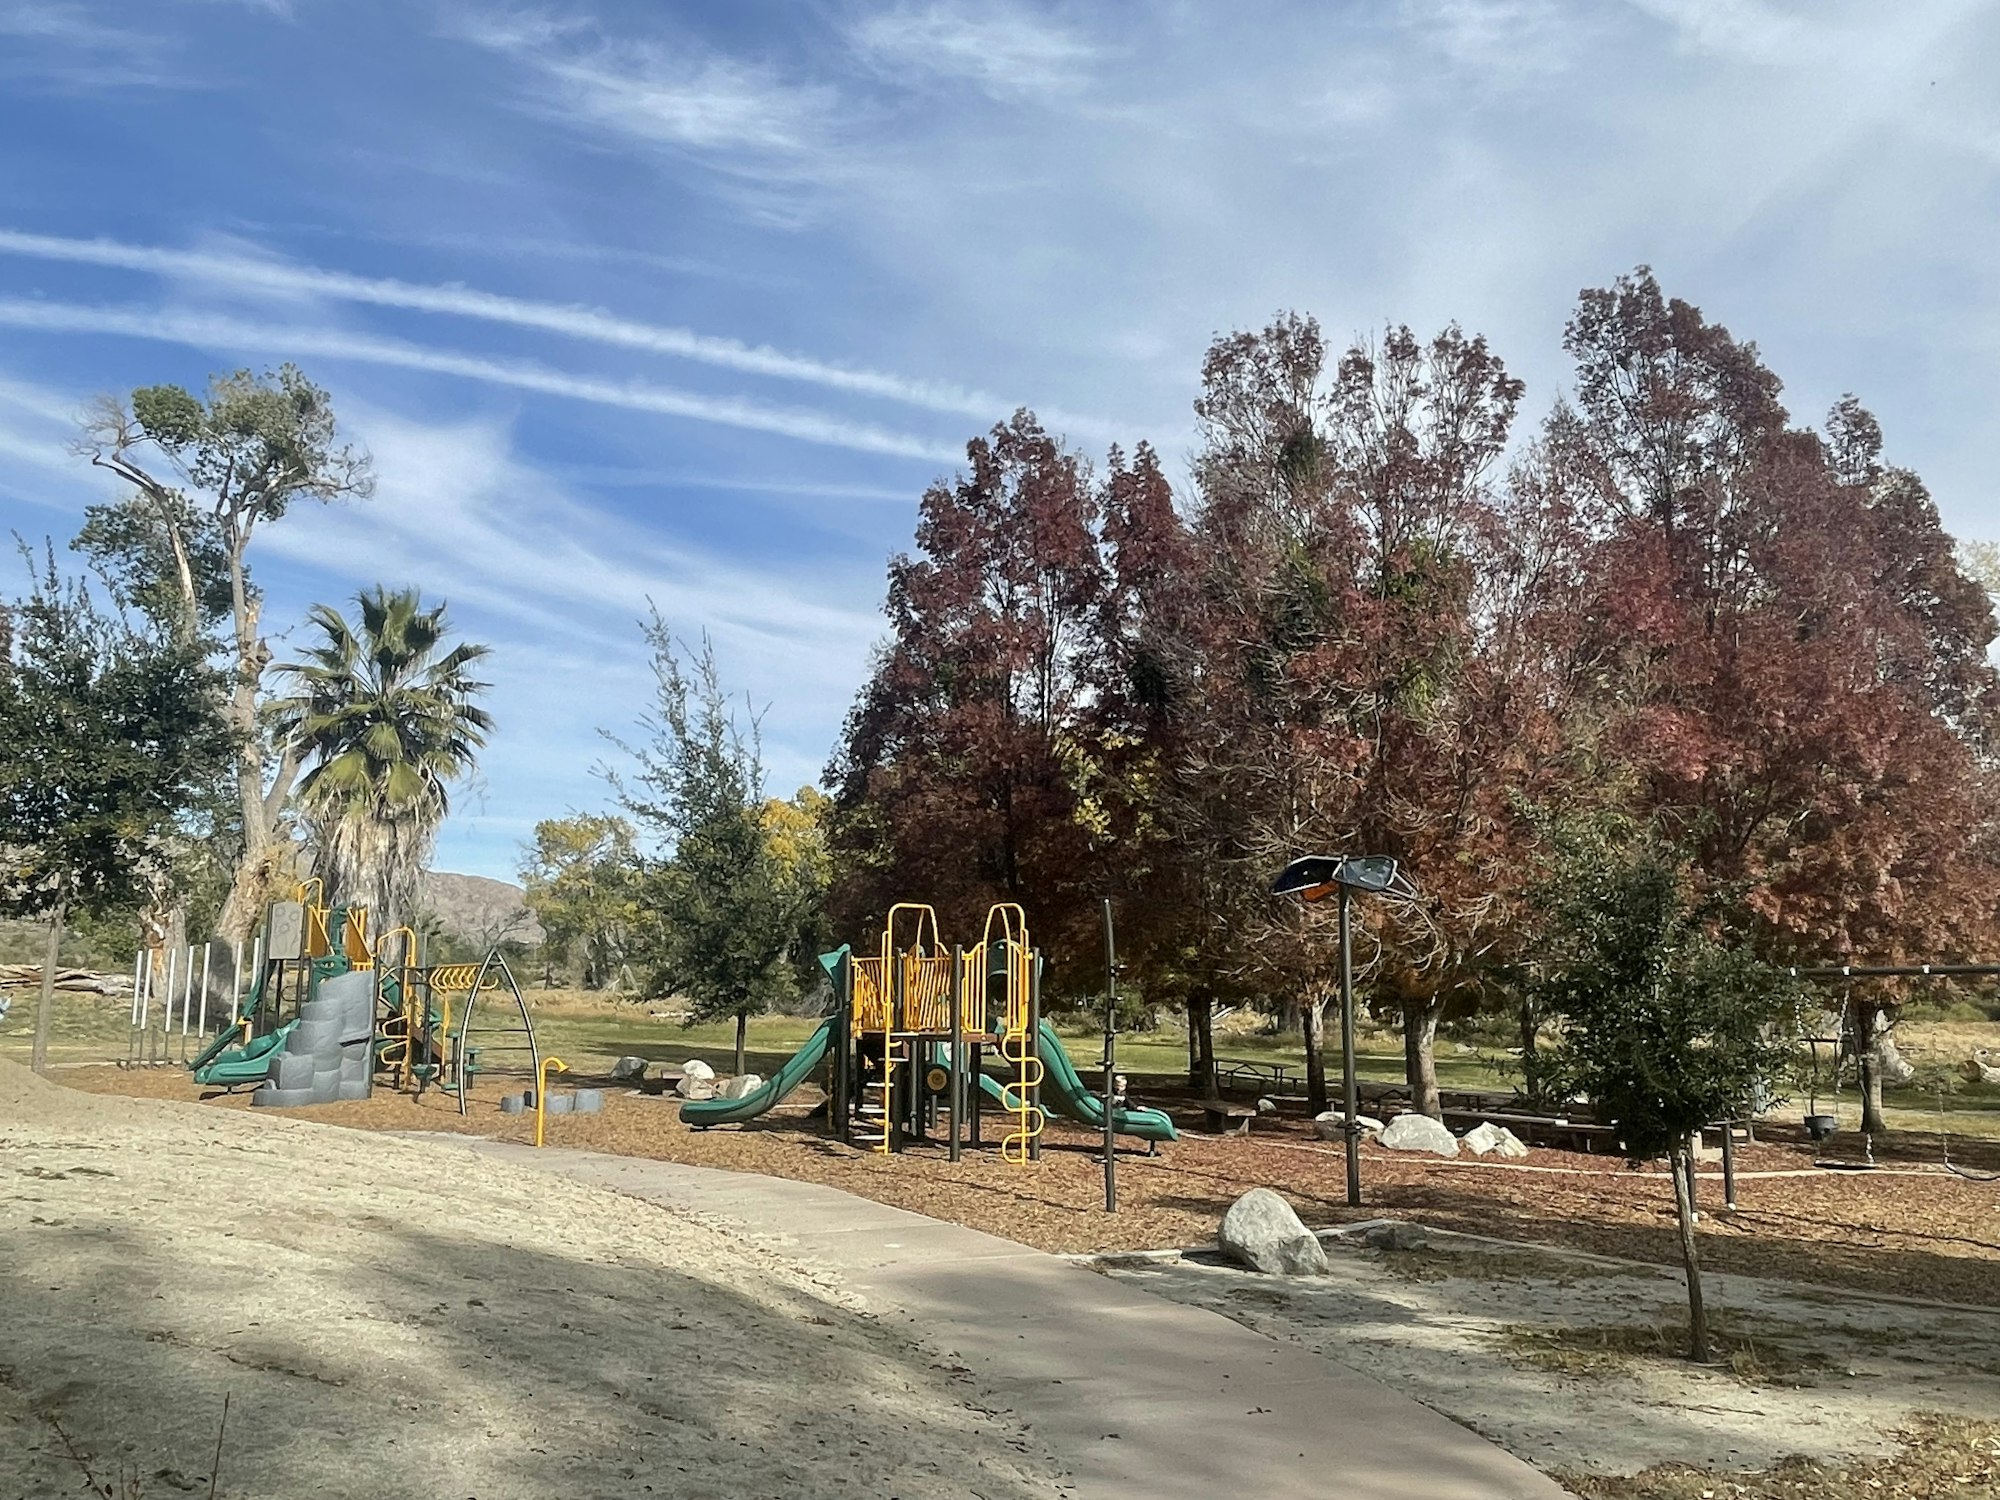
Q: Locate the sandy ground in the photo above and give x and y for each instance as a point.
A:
(1463, 1328)
(389, 1318)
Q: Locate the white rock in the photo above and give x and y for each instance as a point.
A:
(691, 1087)
(1330, 1126)
(1267, 1106)
(1261, 1230)
(1414, 1132)
(739, 1086)
(629, 1069)
(1979, 1070)
(694, 1067)
(1492, 1139)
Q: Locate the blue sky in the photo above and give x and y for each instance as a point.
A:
(691, 301)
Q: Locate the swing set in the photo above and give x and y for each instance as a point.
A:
(1847, 1042)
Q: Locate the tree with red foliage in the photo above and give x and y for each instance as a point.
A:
(1785, 651)
(1348, 701)
(966, 770)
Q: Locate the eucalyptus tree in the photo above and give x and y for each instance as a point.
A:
(203, 477)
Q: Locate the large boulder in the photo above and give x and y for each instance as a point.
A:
(628, 1069)
(1267, 1106)
(1978, 1069)
(740, 1086)
(1331, 1126)
(691, 1087)
(1415, 1132)
(1494, 1140)
(694, 1067)
(1261, 1230)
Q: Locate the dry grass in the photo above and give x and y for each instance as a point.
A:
(1592, 1352)
(1943, 1458)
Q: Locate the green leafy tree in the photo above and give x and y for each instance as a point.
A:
(204, 477)
(109, 732)
(723, 914)
(383, 717)
(580, 875)
(1666, 1023)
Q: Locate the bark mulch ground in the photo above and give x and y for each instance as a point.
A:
(1910, 1230)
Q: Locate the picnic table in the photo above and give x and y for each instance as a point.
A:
(1256, 1072)
(1537, 1129)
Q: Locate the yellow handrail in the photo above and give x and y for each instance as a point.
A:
(542, 1091)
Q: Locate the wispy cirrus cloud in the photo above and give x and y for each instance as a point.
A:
(219, 331)
(1009, 51)
(55, 46)
(729, 114)
(252, 272)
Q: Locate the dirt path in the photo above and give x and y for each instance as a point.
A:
(1570, 1363)
(390, 1318)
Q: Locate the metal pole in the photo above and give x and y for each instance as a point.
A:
(1728, 1164)
(1110, 1062)
(138, 986)
(187, 1001)
(167, 1008)
(145, 1008)
(1350, 1090)
(201, 1022)
(236, 985)
(957, 1049)
(1035, 1043)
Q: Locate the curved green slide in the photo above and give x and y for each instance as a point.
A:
(1065, 1093)
(706, 1112)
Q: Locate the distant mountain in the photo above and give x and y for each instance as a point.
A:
(479, 912)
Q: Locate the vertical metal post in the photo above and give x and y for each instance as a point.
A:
(838, 1103)
(236, 985)
(187, 1001)
(892, 1123)
(1035, 1045)
(957, 1049)
(1350, 1090)
(138, 988)
(145, 1008)
(201, 1021)
(166, 1010)
(1110, 1063)
(1729, 1164)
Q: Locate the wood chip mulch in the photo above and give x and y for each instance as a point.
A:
(1910, 1230)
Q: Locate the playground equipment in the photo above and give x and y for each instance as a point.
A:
(354, 1013)
(908, 1045)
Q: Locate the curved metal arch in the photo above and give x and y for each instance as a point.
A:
(495, 964)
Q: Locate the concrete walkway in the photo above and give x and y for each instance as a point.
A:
(1141, 1398)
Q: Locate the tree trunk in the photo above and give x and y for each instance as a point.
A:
(258, 805)
(1201, 1042)
(1531, 1027)
(38, 1055)
(742, 1038)
(1313, 1013)
(1683, 1168)
(1420, 1024)
(1866, 1024)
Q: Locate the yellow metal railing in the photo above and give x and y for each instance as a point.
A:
(460, 977)
(1017, 1045)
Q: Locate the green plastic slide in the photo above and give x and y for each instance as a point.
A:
(705, 1112)
(1065, 1093)
(250, 1063)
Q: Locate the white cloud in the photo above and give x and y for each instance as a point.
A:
(1743, 30)
(1007, 50)
(237, 272)
(205, 330)
(1497, 39)
(55, 46)
(728, 114)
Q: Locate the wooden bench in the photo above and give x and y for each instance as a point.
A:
(1222, 1118)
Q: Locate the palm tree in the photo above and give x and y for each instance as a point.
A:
(383, 720)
